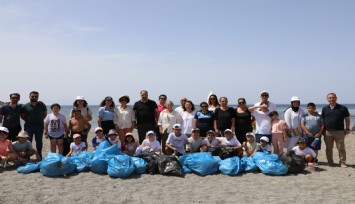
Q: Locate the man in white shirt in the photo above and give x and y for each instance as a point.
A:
(264, 95)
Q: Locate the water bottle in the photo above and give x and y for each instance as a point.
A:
(315, 142)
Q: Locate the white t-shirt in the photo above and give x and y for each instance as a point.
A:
(261, 148)
(304, 152)
(177, 142)
(293, 119)
(213, 144)
(154, 145)
(194, 145)
(77, 148)
(124, 117)
(263, 122)
(229, 143)
(187, 121)
(271, 106)
(117, 141)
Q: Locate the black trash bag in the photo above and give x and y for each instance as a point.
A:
(223, 153)
(295, 163)
(169, 165)
(152, 163)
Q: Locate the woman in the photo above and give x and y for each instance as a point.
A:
(204, 119)
(81, 104)
(125, 117)
(213, 102)
(167, 119)
(293, 117)
(187, 118)
(224, 117)
(106, 115)
(243, 121)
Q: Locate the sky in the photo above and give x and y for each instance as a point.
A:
(183, 48)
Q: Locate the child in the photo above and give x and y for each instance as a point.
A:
(113, 139)
(7, 152)
(79, 125)
(263, 146)
(23, 148)
(130, 145)
(100, 137)
(77, 146)
(312, 126)
(195, 141)
(231, 144)
(211, 144)
(303, 150)
(176, 142)
(278, 131)
(250, 145)
(150, 144)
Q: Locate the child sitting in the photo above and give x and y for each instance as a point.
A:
(231, 144)
(250, 145)
(211, 144)
(100, 137)
(23, 148)
(77, 146)
(302, 149)
(130, 145)
(150, 144)
(195, 141)
(175, 144)
(263, 146)
(113, 138)
(7, 152)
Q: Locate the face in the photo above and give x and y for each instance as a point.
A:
(195, 134)
(275, 116)
(3, 136)
(129, 139)
(224, 101)
(33, 97)
(14, 99)
(112, 137)
(76, 113)
(162, 99)
(204, 107)
(228, 135)
(182, 101)
(212, 99)
(302, 145)
(264, 97)
(108, 102)
(151, 137)
(77, 140)
(295, 103)
(55, 109)
(22, 139)
(80, 102)
(265, 109)
(311, 109)
(144, 95)
(241, 103)
(332, 98)
(263, 143)
(250, 138)
(177, 131)
(123, 101)
(169, 106)
(210, 136)
(100, 134)
(188, 105)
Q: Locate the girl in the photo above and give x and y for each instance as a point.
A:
(100, 137)
(77, 146)
(278, 131)
(113, 138)
(130, 145)
(250, 145)
(7, 152)
(149, 144)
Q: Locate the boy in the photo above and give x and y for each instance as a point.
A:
(250, 145)
(263, 145)
(79, 125)
(231, 144)
(176, 142)
(211, 144)
(100, 137)
(195, 141)
(23, 148)
(303, 150)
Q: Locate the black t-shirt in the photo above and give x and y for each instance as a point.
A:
(243, 122)
(224, 118)
(145, 112)
(334, 118)
(11, 116)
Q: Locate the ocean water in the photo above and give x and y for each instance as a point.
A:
(280, 108)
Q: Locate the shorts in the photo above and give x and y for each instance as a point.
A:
(310, 140)
(58, 138)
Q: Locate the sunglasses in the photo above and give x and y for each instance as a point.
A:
(204, 106)
(162, 98)
(241, 102)
(34, 96)
(264, 95)
(15, 97)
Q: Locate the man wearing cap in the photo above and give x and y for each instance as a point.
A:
(24, 148)
(264, 95)
(334, 116)
(10, 116)
(176, 142)
(293, 116)
(146, 112)
(33, 113)
(125, 117)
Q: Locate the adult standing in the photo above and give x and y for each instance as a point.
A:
(264, 95)
(204, 119)
(293, 116)
(166, 121)
(10, 116)
(243, 120)
(213, 102)
(161, 106)
(334, 116)
(224, 117)
(81, 104)
(180, 109)
(33, 113)
(262, 120)
(126, 119)
(187, 118)
(146, 111)
(106, 115)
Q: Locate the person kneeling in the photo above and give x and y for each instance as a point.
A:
(210, 144)
(175, 144)
(24, 148)
(195, 141)
(302, 149)
(231, 146)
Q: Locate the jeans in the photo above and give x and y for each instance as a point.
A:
(37, 131)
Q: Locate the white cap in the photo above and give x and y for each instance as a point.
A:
(98, 128)
(80, 98)
(227, 130)
(4, 129)
(150, 132)
(177, 126)
(263, 138)
(250, 133)
(76, 136)
(295, 98)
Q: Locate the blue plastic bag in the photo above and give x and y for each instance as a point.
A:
(265, 155)
(104, 147)
(140, 165)
(57, 165)
(82, 161)
(29, 168)
(98, 164)
(185, 169)
(271, 167)
(231, 166)
(120, 166)
(248, 164)
(201, 163)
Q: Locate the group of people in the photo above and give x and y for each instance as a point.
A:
(163, 129)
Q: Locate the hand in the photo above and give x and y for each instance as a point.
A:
(309, 134)
(346, 132)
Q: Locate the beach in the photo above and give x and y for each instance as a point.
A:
(325, 185)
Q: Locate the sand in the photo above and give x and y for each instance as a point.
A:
(325, 185)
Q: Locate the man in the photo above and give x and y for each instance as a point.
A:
(33, 113)
(180, 109)
(333, 116)
(10, 116)
(146, 111)
(161, 107)
(264, 95)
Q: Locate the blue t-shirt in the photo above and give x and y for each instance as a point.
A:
(106, 114)
(312, 122)
(204, 120)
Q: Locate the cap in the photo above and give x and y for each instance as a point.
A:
(108, 98)
(249, 134)
(4, 129)
(195, 129)
(263, 138)
(125, 96)
(210, 132)
(227, 130)
(129, 134)
(98, 129)
(22, 134)
(295, 98)
(80, 98)
(76, 136)
(177, 126)
(150, 132)
(112, 132)
(264, 92)
(302, 140)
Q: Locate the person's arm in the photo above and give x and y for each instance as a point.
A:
(170, 146)
(233, 124)
(38, 157)
(66, 129)
(99, 118)
(347, 125)
(304, 128)
(1, 117)
(89, 115)
(70, 152)
(11, 149)
(88, 126)
(195, 123)
(45, 130)
(215, 126)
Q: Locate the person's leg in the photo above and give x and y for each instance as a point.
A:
(30, 131)
(164, 137)
(275, 144)
(339, 138)
(60, 146)
(141, 133)
(121, 135)
(53, 143)
(308, 158)
(38, 131)
(329, 144)
(257, 137)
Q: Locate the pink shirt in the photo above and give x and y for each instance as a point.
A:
(4, 147)
(277, 126)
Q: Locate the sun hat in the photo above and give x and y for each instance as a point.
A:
(80, 98)
(227, 130)
(295, 98)
(112, 132)
(150, 132)
(177, 126)
(98, 129)
(125, 96)
(265, 139)
(23, 134)
(4, 129)
(76, 136)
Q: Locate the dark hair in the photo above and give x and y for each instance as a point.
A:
(311, 104)
(55, 104)
(75, 104)
(243, 99)
(216, 103)
(125, 139)
(273, 113)
(264, 103)
(75, 109)
(34, 92)
(102, 104)
(163, 95)
(192, 105)
(16, 94)
(203, 103)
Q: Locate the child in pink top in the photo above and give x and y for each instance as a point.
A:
(130, 145)
(7, 152)
(278, 131)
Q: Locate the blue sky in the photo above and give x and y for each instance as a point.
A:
(180, 48)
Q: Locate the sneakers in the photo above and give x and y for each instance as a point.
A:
(343, 165)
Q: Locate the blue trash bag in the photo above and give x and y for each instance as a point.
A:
(231, 166)
(104, 147)
(140, 165)
(29, 168)
(98, 163)
(272, 167)
(120, 166)
(265, 155)
(57, 165)
(201, 163)
(248, 164)
(82, 161)
(185, 169)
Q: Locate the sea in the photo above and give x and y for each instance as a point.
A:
(65, 110)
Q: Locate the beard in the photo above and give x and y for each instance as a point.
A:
(33, 100)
